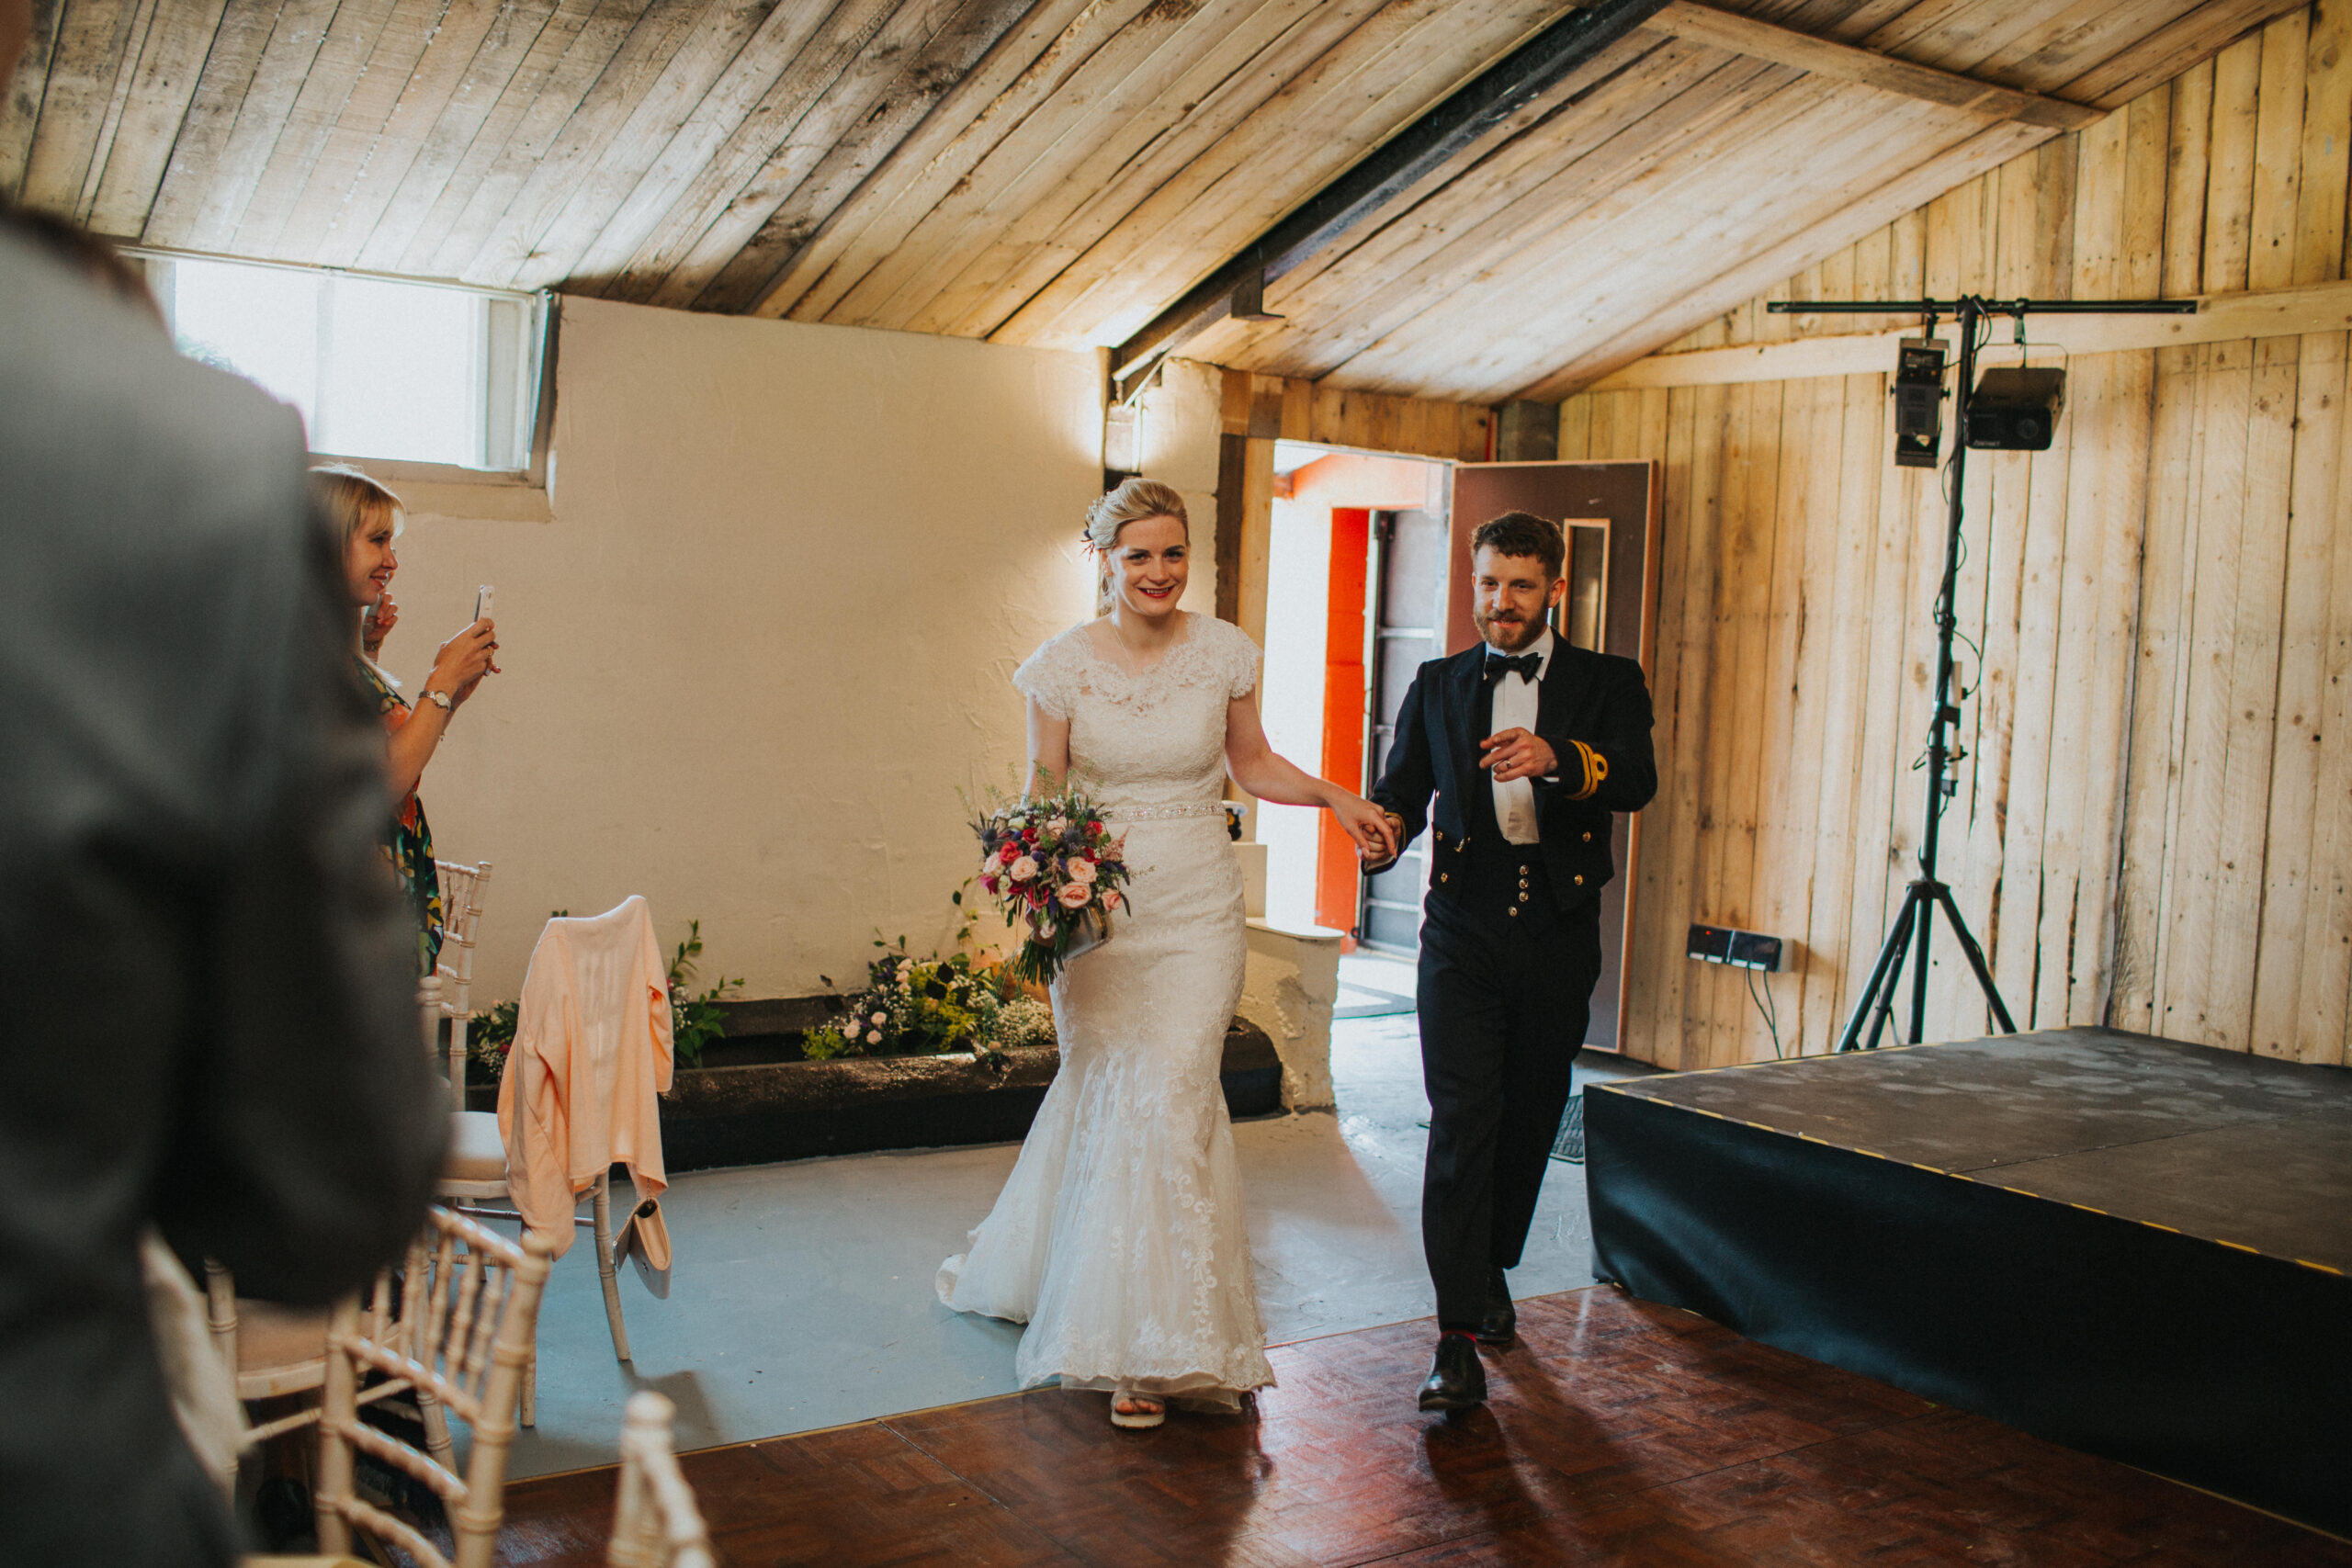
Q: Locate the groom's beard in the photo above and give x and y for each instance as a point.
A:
(1510, 637)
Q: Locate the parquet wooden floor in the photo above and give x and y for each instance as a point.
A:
(1617, 1433)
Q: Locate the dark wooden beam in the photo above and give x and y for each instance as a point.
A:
(1445, 131)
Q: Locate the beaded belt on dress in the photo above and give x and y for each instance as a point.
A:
(1162, 813)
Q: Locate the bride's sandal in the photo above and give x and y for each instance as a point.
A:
(1136, 1412)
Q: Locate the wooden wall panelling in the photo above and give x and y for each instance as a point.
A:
(2163, 55)
(20, 96)
(2277, 139)
(336, 71)
(727, 80)
(2254, 674)
(1399, 61)
(1180, 111)
(235, 53)
(2324, 159)
(1627, 243)
(917, 263)
(212, 176)
(1736, 741)
(574, 45)
(1847, 898)
(86, 69)
(400, 69)
(1421, 426)
(1686, 999)
(2291, 813)
(2224, 389)
(1637, 1028)
(1031, 157)
(1365, 282)
(2229, 194)
(124, 174)
(553, 129)
(1805, 566)
(2079, 772)
(1374, 282)
(2036, 865)
(2107, 509)
(438, 120)
(494, 247)
(1018, 75)
(2049, 45)
(2323, 1008)
(2168, 587)
(767, 185)
(1871, 208)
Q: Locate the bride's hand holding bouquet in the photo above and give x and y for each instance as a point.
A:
(1055, 871)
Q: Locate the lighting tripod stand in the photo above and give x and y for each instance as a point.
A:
(1909, 935)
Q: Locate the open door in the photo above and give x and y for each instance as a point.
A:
(1611, 513)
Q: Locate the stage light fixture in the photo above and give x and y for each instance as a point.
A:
(2015, 409)
(1918, 401)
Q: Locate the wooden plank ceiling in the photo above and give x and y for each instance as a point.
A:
(1057, 172)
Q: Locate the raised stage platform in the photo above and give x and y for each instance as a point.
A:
(2135, 1247)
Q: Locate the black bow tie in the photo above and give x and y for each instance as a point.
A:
(1526, 665)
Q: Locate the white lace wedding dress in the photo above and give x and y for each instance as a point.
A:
(1121, 1238)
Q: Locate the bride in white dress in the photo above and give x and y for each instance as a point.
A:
(1121, 1238)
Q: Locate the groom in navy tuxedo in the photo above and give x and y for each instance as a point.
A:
(1527, 746)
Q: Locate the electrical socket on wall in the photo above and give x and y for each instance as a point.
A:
(1727, 944)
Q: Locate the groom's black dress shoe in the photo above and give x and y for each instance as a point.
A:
(1456, 1380)
(1501, 1325)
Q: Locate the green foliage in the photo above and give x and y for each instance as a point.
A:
(927, 1007)
(695, 1021)
(488, 1040)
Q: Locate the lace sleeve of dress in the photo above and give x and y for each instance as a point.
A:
(1049, 678)
(1241, 660)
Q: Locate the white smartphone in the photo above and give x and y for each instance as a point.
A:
(481, 602)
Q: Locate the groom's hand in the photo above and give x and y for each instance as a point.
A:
(1518, 755)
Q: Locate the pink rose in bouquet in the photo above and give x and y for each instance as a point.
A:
(1055, 870)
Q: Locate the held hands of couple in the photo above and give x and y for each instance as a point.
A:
(1518, 755)
(1374, 831)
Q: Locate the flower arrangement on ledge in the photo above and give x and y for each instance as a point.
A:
(929, 1006)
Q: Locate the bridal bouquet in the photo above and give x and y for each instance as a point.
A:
(1054, 868)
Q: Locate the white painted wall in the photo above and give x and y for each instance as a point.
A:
(1298, 617)
(765, 638)
(1178, 421)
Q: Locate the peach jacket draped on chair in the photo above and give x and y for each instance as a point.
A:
(592, 1052)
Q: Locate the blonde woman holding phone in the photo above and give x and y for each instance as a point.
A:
(367, 517)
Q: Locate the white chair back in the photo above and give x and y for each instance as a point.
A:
(655, 1521)
(469, 1307)
(463, 888)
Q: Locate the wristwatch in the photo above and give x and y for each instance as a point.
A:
(442, 698)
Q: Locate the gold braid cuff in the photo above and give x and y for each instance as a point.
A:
(1596, 770)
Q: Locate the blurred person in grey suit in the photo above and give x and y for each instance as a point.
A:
(209, 1021)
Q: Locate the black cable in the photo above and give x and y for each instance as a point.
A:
(1770, 1015)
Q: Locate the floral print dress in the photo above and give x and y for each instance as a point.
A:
(408, 840)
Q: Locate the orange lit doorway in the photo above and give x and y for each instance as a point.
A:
(1353, 607)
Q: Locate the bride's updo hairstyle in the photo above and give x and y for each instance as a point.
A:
(1135, 500)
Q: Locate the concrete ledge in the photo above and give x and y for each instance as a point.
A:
(755, 1111)
(1289, 990)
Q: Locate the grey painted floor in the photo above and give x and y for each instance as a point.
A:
(802, 1293)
